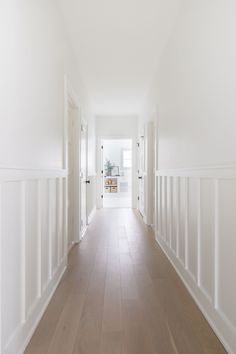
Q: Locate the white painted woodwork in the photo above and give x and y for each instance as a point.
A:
(141, 174)
(91, 196)
(200, 212)
(33, 254)
(83, 178)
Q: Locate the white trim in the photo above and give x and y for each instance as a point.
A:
(199, 235)
(71, 246)
(208, 171)
(1, 237)
(92, 214)
(222, 321)
(187, 279)
(72, 102)
(216, 246)
(83, 233)
(39, 239)
(49, 229)
(37, 318)
(23, 252)
(32, 313)
(19, 174)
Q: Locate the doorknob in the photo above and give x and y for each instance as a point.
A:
(140, 177)
(88, 181)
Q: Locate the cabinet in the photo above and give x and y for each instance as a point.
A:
(110, 185)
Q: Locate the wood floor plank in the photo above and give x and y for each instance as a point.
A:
(112, 343)
(66, 331)
(120, 295)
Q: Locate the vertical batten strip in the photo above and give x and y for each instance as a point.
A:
(1, 236)
(23, 251)
(165, 209)
(186, 226)
(177, 200)
(199, 235)
(160, 206)
(216, 245)
(57, 222)
(172, 214)
(156, 206)
(65, 216)
(50, 228)
(169, 211)
(39, 236)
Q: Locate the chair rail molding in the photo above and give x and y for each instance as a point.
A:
(196, 226)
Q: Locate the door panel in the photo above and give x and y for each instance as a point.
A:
(141, 166)
(71, 179)
(83, 180)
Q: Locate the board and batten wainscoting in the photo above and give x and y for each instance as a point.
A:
(33, 227)
(196, 228)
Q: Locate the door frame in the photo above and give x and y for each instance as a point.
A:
(99, 164)
(83, 128)
(141, 174)
(71, 102)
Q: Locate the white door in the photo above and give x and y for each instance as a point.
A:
(141, 167)
(71, 178)
(83, 180)
(102, 175)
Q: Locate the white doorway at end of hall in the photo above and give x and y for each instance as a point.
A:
(117, 173)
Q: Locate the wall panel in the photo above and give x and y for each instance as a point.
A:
(169, 206)
(207, 237)
(204, 236)
(175, 215)
(45, 265)
(192, 244)
(226, 250)
(32, 245)
(13, 271)
(182, 218)
(32, 255)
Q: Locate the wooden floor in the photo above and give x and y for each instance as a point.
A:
(120, 295)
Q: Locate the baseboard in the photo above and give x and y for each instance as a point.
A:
(84, 232)
(194, 297)
(91, 215)
(71, 246)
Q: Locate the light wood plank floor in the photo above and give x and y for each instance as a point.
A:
(120, 295)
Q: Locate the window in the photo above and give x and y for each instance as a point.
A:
(127, 158)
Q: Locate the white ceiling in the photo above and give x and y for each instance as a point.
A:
(118, 44)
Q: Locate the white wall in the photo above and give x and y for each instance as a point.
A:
(113, 150)
(117, 126)
(35, 55)
(198, 76)
(194, 93)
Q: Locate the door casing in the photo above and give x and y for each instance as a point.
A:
(71, 103)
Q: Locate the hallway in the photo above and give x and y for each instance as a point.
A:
(120, 295)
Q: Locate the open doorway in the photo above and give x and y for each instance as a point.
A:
(117, 161)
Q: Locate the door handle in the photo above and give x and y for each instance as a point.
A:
(87, 182)
(140, 177)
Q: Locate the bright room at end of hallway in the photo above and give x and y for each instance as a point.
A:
(117, 173)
